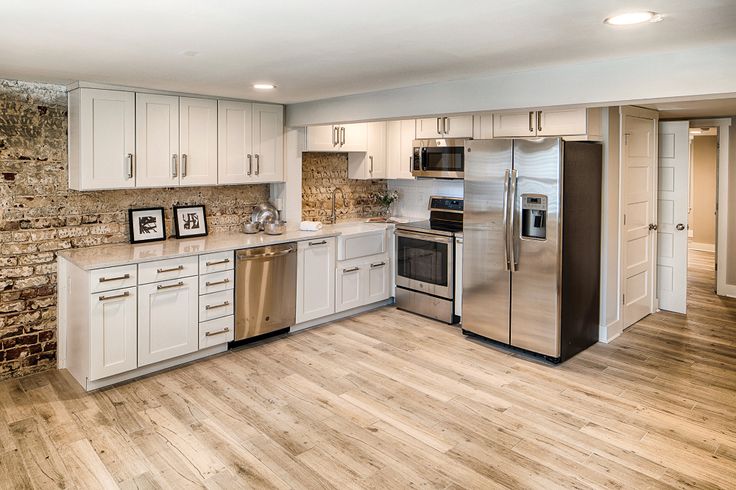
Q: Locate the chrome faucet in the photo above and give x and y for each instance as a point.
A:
(333, 217)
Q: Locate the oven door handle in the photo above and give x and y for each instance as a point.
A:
(423, 236)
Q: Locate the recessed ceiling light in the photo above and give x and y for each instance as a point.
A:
(633, 18)
(264, 86)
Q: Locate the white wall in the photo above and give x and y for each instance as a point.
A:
(704, 71)
(414, 195)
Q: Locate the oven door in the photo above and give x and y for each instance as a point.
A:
(425, 263)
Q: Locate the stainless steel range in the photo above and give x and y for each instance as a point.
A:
(425, 260)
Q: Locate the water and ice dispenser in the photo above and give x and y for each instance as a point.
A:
(534, 216)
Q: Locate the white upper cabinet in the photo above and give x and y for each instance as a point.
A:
(371, 162)
(354, 137)
(338, 137)
(197, 141)
(268, 142)
(400, 136)
(101, 139)
(234, 142)
(157, 140)
(579, 123)
(445, 127)
(483, 126)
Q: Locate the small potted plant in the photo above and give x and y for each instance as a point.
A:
(385, 200)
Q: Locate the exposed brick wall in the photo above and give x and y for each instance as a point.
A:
(40, 215)
(321, 173)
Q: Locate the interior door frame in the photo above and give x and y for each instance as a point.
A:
(647, 114)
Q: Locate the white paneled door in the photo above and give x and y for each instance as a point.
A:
(235, 142)
(157, 140)
(268, 142)
(639, 228)
(672, 207)
(198, 141)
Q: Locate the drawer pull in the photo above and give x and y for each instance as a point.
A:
(221, 305)
(352, 269)
(216, 283)
(173, 269)
(167, 286)
(323, 242)
(117, 296)
(118, 278)
(217, 332)
(217, 262)
(379, 264)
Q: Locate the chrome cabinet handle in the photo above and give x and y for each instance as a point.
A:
(531, 121)
(335, 135)
(352, 269)
(445, 125)
(506, 217)
(258, 164)
(117, 296)
(130, 165)
(379, 264)
(173, 165)
(539, 120)
(512, 225)
(411, 164)
(217, 332)
(342, 135)
(438, 126)
(184, 165)
(178, 268)
(214, 307)
(680, 227)
(169, 286)
(250, 164)
(323, 242)
(216, 283)
(116, 278)
(217, 262)
(371, 159)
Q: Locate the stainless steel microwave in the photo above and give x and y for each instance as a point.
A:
(439, 158)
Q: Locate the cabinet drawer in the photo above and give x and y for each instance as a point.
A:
(217, 281)
(164, 270)
(362, 245)
(112, 278)
(216, 262)
(217, 331)
(215, 305)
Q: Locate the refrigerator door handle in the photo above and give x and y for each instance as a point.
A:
(507, 263)
(511, 237)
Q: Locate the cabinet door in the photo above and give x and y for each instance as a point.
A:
(113, 333)
(349, 284)
(315, 287)
(322, 138)
(354, 137)
(268, 142)
(371, 162)
(157, 140)
(458, 276)
(198, 141)
(234, 142)
(483, 126)
(514, 124)
(399, 149)
(429, 127)
(378, 280)
(102, 139)
(457, 126)
(168, 325)
(561, 122)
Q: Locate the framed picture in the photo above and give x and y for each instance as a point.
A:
(146, 225)
(190, 221)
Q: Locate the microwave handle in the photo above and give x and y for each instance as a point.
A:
(423, 159)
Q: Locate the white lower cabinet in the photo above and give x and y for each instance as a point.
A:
(113, 333)
(217, 331)
(168, 324)
(362, 283)
(379, 281)
(315, 289)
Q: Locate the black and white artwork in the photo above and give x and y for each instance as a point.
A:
(146, 225)
(189, 221)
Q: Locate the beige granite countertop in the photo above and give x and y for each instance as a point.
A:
(125, 253)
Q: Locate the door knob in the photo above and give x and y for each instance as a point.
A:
(680, 227)
(652, 226)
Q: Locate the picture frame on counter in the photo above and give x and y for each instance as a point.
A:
(190, 221)
(146, 225)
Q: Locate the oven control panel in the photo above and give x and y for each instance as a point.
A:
(446, 204)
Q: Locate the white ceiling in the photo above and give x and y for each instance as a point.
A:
(325, 48)
(697, 109)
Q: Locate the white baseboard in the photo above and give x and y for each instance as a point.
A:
(702, 247)
(609, 332)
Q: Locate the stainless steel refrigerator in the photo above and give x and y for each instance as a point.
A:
(531, 265)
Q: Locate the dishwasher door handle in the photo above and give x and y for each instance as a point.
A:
(268, 255)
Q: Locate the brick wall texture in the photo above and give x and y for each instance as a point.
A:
(39, 215)
(321, 173)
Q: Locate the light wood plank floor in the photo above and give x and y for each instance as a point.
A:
(390, 400)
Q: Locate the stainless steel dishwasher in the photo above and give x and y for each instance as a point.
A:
(265, 290)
